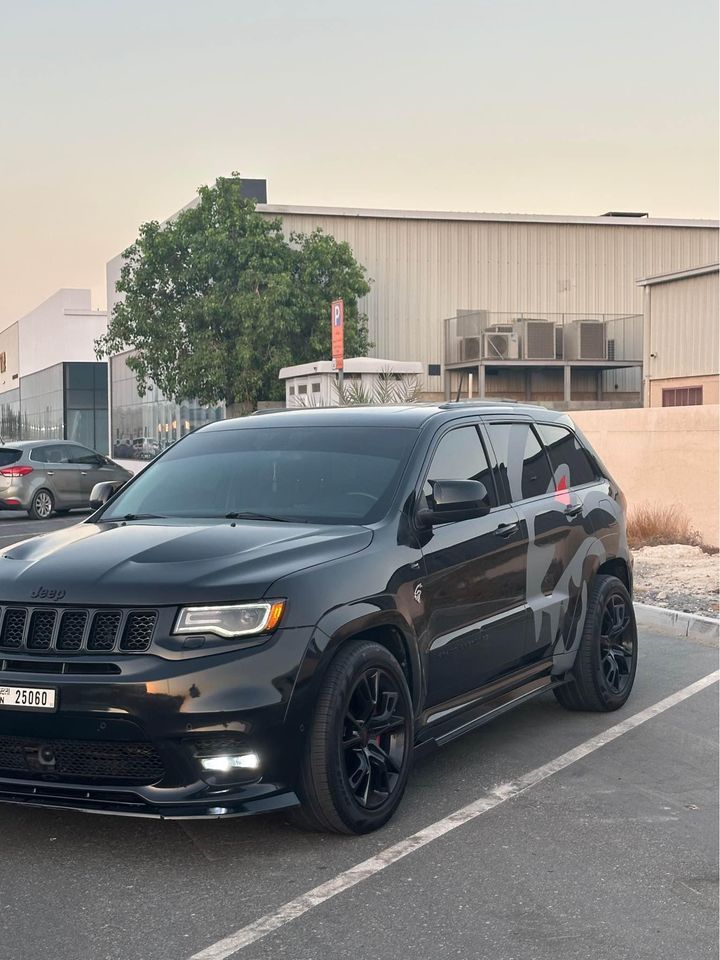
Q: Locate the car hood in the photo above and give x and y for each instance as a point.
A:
(167, 562)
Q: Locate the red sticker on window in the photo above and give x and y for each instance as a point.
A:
(562, 494)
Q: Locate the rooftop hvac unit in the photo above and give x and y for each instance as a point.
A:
(500, 346)
(470, 323)
(558, 341)
(537, 338)
(470, 348)
(585, 340)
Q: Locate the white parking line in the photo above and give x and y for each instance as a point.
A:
(361, 871)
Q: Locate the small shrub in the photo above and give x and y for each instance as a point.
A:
(651, 525)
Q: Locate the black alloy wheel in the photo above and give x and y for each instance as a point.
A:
(358, 751)
(603, 674)
(617, 645)
(374, 740)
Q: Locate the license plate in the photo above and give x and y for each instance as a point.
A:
(27, 698)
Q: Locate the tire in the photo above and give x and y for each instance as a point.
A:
(606, 662)
(353, 771)
(42, 505)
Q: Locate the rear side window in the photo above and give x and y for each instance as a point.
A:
(570, 463)
(521, 460)
(50, 454)
(460, 455)
(8, 456)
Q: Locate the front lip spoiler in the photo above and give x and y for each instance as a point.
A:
(110, 801)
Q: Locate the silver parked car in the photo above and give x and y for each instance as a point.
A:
(46, 476)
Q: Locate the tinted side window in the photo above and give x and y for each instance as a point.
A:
(50, 454)
(521, 459)
(460, 455)
(77, 454)
(569, 460)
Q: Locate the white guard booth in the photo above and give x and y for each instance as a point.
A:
(315, 384)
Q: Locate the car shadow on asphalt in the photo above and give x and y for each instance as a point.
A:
(440, 782)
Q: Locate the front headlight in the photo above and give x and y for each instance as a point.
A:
(237, 620)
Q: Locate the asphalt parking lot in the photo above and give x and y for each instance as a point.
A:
(16, 525)
(610, 853)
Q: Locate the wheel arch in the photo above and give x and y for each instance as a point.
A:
(390, 630)
(617, 567)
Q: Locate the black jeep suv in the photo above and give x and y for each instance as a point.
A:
(281, 609)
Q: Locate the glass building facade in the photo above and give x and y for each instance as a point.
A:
(143, 426)
(10, 419)
(68, 401)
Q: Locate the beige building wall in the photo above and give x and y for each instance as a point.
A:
(710, 388)
(666, 456)
(426, 267)
(682, 334)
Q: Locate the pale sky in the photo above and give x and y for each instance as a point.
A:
(113, 112)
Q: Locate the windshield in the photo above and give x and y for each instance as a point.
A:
(311, 474)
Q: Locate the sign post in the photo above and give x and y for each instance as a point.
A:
(337, 314)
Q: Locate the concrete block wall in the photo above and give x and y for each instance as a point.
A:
(662, 455)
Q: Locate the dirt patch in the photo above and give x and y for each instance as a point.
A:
(678, 577)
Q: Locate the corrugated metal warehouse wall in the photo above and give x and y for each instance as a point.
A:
(684, 327)
(424, 270)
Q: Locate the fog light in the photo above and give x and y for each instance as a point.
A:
(243, 761)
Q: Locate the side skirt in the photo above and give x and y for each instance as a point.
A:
(495, 708)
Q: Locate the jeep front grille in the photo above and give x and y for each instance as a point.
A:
(42, 627)
(13, 627)
(57, 629)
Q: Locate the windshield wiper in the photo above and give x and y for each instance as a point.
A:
(138, 516)
(249, 515)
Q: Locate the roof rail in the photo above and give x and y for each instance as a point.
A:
(266, 410)
(450, 404)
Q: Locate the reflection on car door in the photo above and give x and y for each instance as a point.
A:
(88, 467)
(580, 491)
(60, 478)
(547, 515)
(474, 581)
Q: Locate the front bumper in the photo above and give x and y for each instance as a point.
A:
(265, 798)
(129, 742)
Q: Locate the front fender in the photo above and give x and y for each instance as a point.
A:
(337, 627)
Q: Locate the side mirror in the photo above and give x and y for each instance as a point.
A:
(102, 492)
(456, 500)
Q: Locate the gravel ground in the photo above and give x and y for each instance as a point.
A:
(678, 577)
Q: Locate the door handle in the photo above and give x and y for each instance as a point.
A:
(51, 473)
(573, 511)
(507, 529)
(83, 473)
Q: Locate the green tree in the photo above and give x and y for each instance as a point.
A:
(216, 301)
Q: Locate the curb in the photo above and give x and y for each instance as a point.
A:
(677, 622)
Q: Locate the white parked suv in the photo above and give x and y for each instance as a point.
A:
(144, 448)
